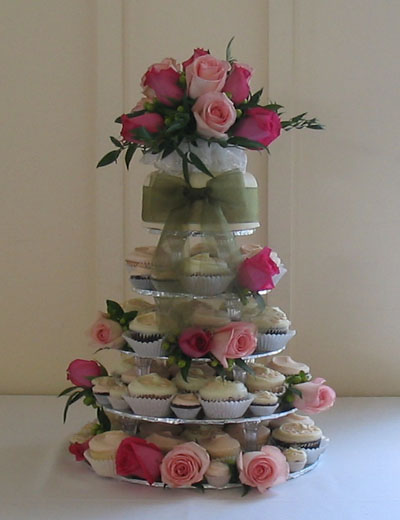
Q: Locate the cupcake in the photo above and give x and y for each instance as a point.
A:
(140, 278)
(238, 432)
(296, 458)
(130, 375)
(222, 399)
(207, 317)
(139, 263)
(186, 406)
(222, 447)
(151, 395)
(205, 275)
(195, 380)
(102, 450)
(273, 329)
(264, 403)
(292, 418)
(146, 429)
(197, 433)
(288, 366)
(218, 474)
(116, 397)
(265, 378)
(85, 433)
(101, 388)
(165, 440)
(144, 335)
(297, 435)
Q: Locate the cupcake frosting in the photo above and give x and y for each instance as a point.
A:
(204, 431)
(189, 400)
(196, 379)
(141, 256)
(118, 391)
(295, 455)
(152, 385)
(271, 318)
(292, 418)
(204, 263)
(288, 366)
(165, 441)
(146, 323)
(238, 432)
(265, 398)
(219, 389)
(297, 432)
(107, 443)
(221, 446)
(267, 379)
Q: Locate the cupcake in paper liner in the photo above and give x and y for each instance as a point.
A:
(205, 275)
(264, 403)
(165, 440)
(313, 454)
(151, 395)
(222, 447)
(218, 474)
(273, 329)
(297, 435)
(144, 335)
(296, 458)
(273, 341)
(102, 450)
(222, 399)
(116, 399)
(140, 279)
(264, 378)
(288, 366)
(139, 264)
(101, 389)
(186, 406)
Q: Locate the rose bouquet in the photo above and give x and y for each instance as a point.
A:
(201, 99)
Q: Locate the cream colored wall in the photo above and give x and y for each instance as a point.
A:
(339, 230)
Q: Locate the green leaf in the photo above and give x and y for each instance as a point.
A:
(185, 369)
(129, 316)
(196, 161)
(118, 120)
(67, 391)
(255, 98)
(244, 366)
(228, 55)
(259, 300)
(199, 485)
(273, 106)
(71, 400)
(136, 114)
(129, 154)
(109, 158)
(114, 310)
(246, 489)
(142, 133)
(185, 167)
(246, 143)
(115, 141)
(104, 421)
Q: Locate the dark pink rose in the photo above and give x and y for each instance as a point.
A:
(215, 114)
(238, 82)
(196, 53)
(195, 342)
(184, 465)
(205, 74)
(233, 341)
(255, 273)
(259, 124)
(150, 120)
(78, 449)
(79, 370)
(106, 332)
(316, 397)
(162, 82)
(136, 457)
(263, 469)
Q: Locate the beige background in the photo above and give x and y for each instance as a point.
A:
(68, 68)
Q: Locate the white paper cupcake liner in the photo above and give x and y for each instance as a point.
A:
(102, 400)
(118, 404)
(104, 468)
(296, 465)
(225, 409)
(259, 410)
(217, 482)
(206, 285)
(166, 285)
(271, 342)
(143, 348)
(186, 413)
(149, 406)
(142, 283)
(313, 454)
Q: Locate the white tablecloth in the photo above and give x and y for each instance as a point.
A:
(358, 477)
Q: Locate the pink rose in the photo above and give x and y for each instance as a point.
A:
(138, 458)
(316, 397)
(256, 273)
(196, 53)
(263, 469)
(184, 465)
(150, 120)
(195, 342)
(161, 81)
(215, 114)
(205, 74)
(79, 370)
(259, 124)
(233, 341)
(237, 83)
(78, 449)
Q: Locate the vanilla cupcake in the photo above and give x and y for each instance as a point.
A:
(222, 399)
(101, 388)
(186, 406)
(218, 474)
(165, 441)
(288, 366)
(291, 418)
(297, 435)
(296, 458)
(273, 329)
(144, 335)
(139, 263)
(264, 403)
(147, 428)
(151, 395)
(205, 275)
(85, 433)
(265, 378)
(130, 375)
(238, 432)
(102, 450)
(116, 397)
(197, 433)
(222, 447)
(195, 380)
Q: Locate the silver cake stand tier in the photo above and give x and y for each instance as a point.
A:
(130, 416)
(197, 233)
(164, 294)
(293, 475)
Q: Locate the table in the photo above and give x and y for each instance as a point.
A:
(358, 477)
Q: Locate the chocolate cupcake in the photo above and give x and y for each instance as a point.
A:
(186, 406)
(222, 399)
(144, 335)
(297, 435)
(151, 395)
